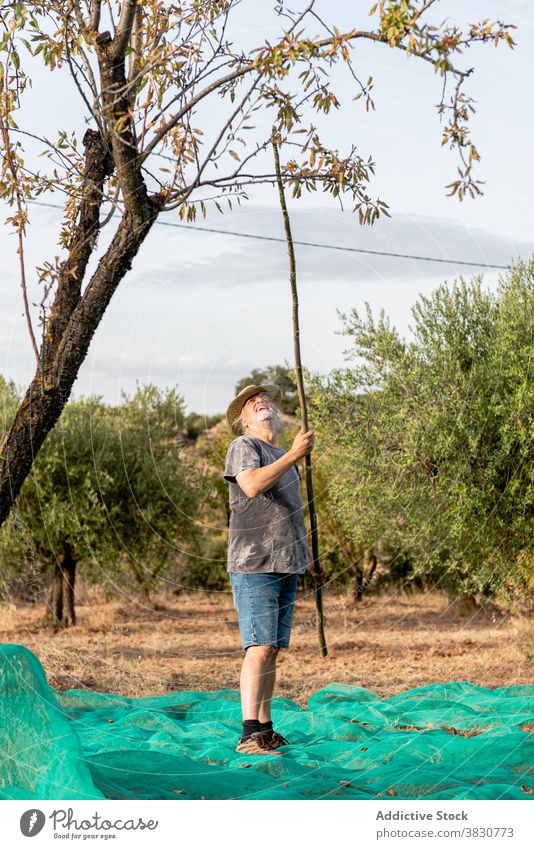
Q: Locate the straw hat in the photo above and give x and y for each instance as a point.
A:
(234, 409)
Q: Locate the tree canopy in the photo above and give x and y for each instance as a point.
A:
(112, 486)
(427, 444)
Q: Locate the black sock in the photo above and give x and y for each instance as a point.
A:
(267, 728)
(250, 726)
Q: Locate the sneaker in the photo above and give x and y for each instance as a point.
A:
(277, 740)
(256, 744)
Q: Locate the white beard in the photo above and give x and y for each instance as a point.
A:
(265, 415)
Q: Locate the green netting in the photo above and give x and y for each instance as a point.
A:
(348, 744)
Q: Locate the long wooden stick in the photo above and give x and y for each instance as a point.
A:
(302, 398)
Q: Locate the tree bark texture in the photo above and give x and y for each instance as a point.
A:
(364, 571)
(69, 580)
(57, 595)
(62, 599)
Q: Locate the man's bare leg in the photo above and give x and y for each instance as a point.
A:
(264, 714)
(257, 677)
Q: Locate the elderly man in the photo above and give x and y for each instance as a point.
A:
(267, 549)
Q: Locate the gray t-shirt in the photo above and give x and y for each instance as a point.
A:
(267, 533)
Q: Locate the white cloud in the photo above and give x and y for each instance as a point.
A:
(226, 261)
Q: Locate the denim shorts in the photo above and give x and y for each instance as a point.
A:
(264, 603)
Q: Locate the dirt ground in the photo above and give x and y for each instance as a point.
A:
(387, 643)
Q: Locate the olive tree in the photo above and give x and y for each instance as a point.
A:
(110, 492)
(428, 443)
(153, 493)
(58, 521)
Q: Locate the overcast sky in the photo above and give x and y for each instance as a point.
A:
(201, 310)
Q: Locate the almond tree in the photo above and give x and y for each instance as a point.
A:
(145, 70)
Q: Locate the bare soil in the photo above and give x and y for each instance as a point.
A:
(388, 643)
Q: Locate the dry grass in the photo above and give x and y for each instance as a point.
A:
(524, 633)
(387, 643)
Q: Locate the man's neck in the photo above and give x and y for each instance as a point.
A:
(266, 433)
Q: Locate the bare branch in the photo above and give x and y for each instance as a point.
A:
(137, 37)
(424, 8)
(124, 27)
(206, 91)
(240, 72)
(20, 250)
(94, 20)
(89, 77)
(191, 84)
(218, 139)
(79, 18)
(191, 103)
(113, 210)
(19, 222)
(93, 112)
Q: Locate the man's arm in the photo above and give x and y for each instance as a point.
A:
(255, 481)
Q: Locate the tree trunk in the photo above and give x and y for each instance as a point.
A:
(358, 581)
(63, 610)
(69, 578)
(57, 595)
(365, 569)
(143, 583)
(465, 603)
(373, 564)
